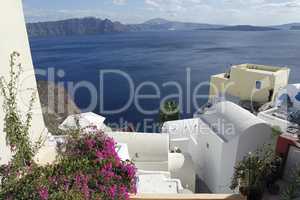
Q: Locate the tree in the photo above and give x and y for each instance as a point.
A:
(169, 111)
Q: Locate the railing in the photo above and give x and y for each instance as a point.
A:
(186, 197)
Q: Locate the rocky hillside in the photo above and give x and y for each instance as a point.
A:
(83, 26)
(56, 105)
(92, 26)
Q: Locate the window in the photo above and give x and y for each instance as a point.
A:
(297, 97)
(258, 85)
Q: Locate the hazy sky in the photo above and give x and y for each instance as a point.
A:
(256, 12)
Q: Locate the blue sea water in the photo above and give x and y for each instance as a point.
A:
(158, 57)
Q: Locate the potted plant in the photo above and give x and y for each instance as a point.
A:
(248, 177)
(257, 171)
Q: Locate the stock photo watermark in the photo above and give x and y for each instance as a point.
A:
(191, 95)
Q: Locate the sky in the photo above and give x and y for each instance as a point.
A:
(229, 12)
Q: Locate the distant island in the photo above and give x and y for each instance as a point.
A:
(93, 26)
(295, 28)
(159, 24)
(245, 28)
(83, 26)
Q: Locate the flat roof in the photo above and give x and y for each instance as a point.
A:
(257, 67)
(221, 75)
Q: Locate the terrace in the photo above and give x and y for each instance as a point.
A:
(258, 68)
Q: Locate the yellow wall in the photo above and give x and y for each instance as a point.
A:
(218, 85)
(242, 83)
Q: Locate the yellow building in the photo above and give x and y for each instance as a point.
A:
(249, 82)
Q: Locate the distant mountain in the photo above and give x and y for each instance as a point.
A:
(290, 26)
(245, 28)
(91, 25)
(83, 26)
(156, 21)
(295, 28)
(159, 24)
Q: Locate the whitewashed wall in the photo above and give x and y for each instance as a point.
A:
(228, 162)
(149, 151)
(13, 37)
(181, 132)
(235, 150)
(196, 139)
(253, 138)
(208, 157)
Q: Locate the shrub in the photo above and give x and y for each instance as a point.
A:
(169, 112)
(257, 171)
(292, 191)
(87, 167)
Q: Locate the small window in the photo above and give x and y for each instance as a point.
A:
(258, 85)
(207, 145)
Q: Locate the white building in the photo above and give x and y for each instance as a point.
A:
(158, 168)
(286, 103)
(217, 140)
(153, 182)
(150, 151)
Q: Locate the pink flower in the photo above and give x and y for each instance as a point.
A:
(106, 176)
(85, 187)
(78, 181)
(43, 192)
(123, 191)
(99, 154)
(90, 143)
(112, 192)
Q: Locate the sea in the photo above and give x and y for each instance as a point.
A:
(125, 77)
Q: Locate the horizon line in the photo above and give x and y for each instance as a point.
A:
(105, 18)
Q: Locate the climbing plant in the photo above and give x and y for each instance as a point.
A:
(16, 126)
(87, 166)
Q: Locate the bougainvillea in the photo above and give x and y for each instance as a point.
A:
(88, 168)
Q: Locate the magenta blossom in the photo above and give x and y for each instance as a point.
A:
(43, 192)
